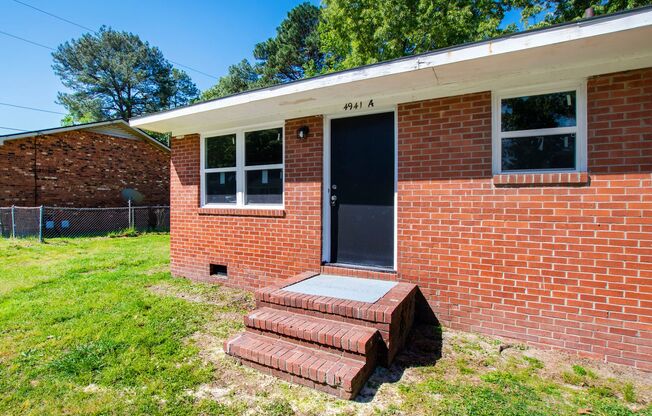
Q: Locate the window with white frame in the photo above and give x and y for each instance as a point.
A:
(243, 168)
(540, 131)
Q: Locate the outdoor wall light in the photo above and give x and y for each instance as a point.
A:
(302, 132)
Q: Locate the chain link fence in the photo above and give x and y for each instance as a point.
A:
(52, 222)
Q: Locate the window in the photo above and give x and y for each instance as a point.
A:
(220, 168)
(540, 131)
(243, 168)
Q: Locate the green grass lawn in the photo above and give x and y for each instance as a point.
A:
(98, 326)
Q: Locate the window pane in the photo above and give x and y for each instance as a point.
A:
(220, 188)
(539, 152)
(539, 111)
(264, 147)
(265, 186)
(220, 152)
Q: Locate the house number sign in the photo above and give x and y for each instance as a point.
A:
(357, 105)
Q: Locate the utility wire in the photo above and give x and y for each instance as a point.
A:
(11, 128)
(54, 15)
(91, 30)
(26, 40)
(32, 108)
(193, 69)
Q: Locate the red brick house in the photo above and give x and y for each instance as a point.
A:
(83, 166)
(510, 179)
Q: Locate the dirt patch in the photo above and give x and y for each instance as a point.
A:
(220, 296)
(168, 290)
(163, 268)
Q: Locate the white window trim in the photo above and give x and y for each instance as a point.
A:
(240, 169)
(580, 129)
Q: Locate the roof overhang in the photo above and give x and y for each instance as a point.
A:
(100, 127)
(577, 50)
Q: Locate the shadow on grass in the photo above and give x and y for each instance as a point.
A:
(423, 348)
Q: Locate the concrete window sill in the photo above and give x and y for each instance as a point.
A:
(541, 179)
(239, 212)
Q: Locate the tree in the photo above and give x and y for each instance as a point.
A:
(538, 13)
(294, 50)
(182, 92)
(117, 75)
(360, 32)
(240, 77)
(290, 55)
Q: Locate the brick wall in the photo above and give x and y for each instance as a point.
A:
(563, 261)
(81, 169)
(17, 173)
(264, 246)
(567, 266)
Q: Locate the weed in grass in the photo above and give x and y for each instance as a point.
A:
(463, 367)
(534, 363)
(572, 378)
(391, 410)
(278, 407)
(127, 232)
(583, 372)
(601, 391)
(579, 370)
(87, 358)
(629, 393)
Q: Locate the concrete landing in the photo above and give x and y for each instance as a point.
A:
(343, 287)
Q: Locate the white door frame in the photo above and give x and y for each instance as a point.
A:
(326, 204)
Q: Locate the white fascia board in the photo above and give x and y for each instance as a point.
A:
(515, 43)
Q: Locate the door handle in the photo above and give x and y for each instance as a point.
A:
(333, 200)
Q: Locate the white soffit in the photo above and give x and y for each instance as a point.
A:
(590, 47)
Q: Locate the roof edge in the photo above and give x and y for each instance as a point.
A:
(180, 111)
(84, 126)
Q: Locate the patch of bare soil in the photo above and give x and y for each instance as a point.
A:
(220, 296)
(168, 290)
(557, 362)
(163, 268)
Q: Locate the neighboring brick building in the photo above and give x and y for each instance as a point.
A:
(83, 166)
(522, 198)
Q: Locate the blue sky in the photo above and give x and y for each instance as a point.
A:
(206, 35)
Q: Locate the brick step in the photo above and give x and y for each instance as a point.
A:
(307, 366)
(392, 315)
(345, 310)
(337, 336)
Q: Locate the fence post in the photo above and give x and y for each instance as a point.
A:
(40, 225)
(13, 221)
(129, 213)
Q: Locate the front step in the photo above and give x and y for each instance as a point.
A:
(354, 340)
(392, 315)
(327, 343)
(331, 373)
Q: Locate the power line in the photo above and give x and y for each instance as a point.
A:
(11, 128)
(193, 69)
(26, 40)
(91, 30)
(54, 15)
(32, 108)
